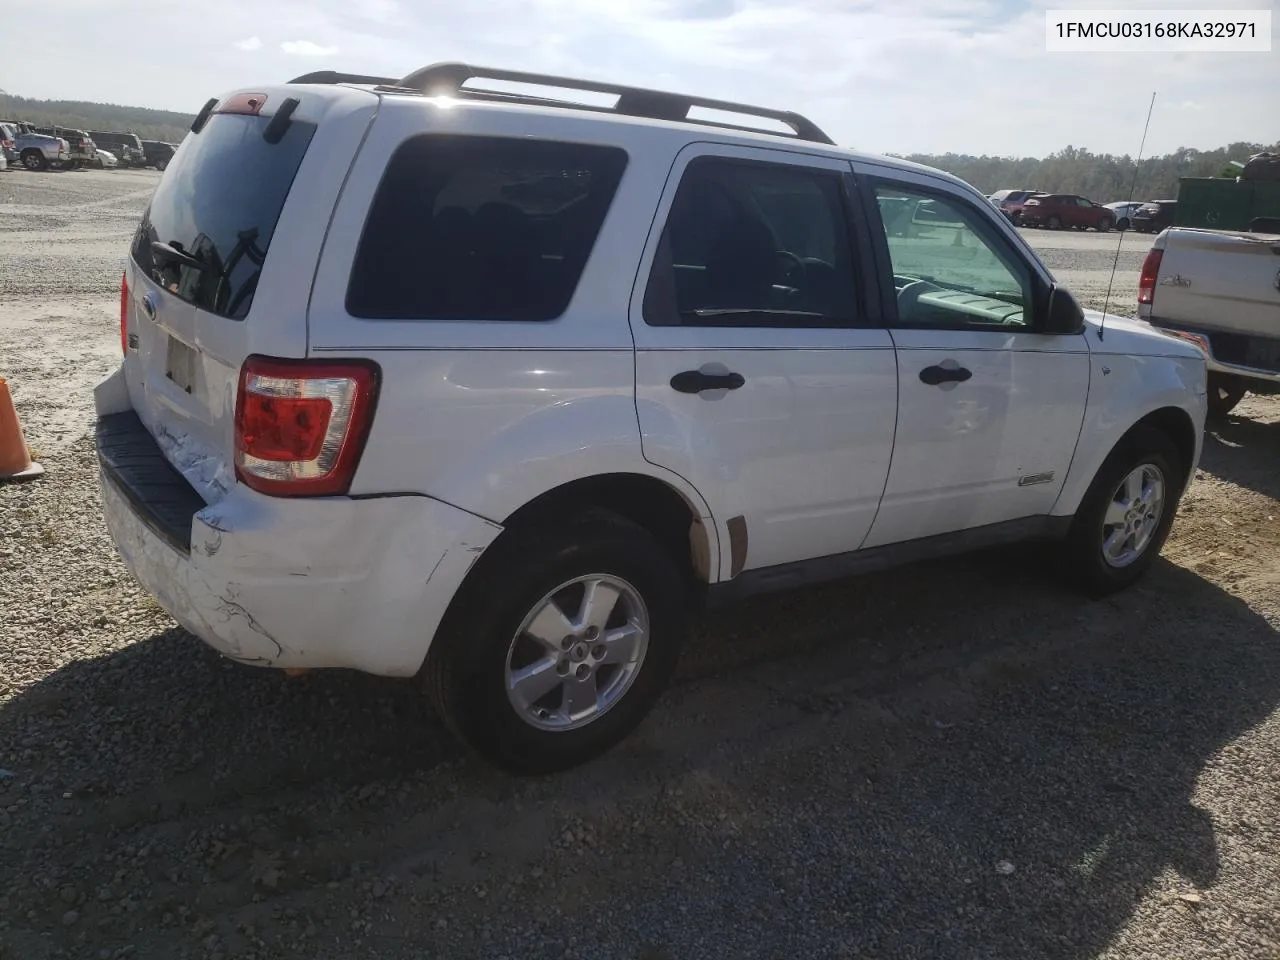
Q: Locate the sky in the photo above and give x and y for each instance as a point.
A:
(884, 76)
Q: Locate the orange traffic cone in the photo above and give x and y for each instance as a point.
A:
(15, 458)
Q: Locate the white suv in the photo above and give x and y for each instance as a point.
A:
(435, 380)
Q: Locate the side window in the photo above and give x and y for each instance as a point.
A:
(481, 228)
(750, 244)
(949, 267)
(1083, 202)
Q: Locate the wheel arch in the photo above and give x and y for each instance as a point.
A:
(1176, 424)
(657, 506)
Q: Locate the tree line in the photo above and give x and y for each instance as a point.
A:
(105, 117)
(1102, 177)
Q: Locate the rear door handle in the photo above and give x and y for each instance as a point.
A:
(936, 375)
(695, 381)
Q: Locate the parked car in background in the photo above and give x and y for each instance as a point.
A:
(126, 146)
(1010, 201)
(1155, 215)
(1220, 290)
(157, 153)
(1123, 211)
(83, 152)
(106, 160)
(1058, 210)
(678, 396)
(8, 142)
(40, 151)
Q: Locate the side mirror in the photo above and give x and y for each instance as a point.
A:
(1064, 315)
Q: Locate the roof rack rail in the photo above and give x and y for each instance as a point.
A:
(448, 79)
(332, 76)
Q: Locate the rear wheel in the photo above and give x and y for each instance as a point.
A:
(1225, 391)
(1125, 517)
(559, 644)
(34, 160)
(161, 164)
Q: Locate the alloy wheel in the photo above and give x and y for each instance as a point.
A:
(1133, 516)
(577, 653)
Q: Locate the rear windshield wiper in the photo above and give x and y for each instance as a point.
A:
(174, 254)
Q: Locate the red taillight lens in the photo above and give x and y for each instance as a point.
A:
(124, 313)
(1147, 281)
(301, 425)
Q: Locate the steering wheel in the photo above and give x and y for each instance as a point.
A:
(793, 265)
(910, 294)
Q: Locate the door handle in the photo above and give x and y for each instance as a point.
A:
(936, 375)
(695, 381)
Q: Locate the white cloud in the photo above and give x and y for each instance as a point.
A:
(305, 48)
(251, 43)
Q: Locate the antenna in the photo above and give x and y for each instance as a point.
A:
(1137, 166)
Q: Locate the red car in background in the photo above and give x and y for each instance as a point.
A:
(1058, 210)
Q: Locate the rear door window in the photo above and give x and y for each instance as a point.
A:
(218, 203)
(751, 244)
(481, 228)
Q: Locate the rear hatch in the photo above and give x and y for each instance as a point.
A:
(1220, 281)
(221, 264)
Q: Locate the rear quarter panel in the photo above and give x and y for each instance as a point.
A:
(488, 415)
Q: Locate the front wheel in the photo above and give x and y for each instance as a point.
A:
(1054, 223)
(1104, 226)
(1123, 224)
(1125, 517)
(1225, 391)
(559, 644)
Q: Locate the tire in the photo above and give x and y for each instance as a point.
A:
(1123, 224)
(1054, 223)
(1104, 226)
(1225, 391)
(487, 634)
(161, 164)
(1143, 450)
(34, 160)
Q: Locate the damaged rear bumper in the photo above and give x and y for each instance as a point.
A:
(322, 582)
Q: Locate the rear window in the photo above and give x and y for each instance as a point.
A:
(481, 228)
(219, 202)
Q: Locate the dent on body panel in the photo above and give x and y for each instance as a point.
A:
(496, 433)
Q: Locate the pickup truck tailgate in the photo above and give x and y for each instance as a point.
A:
(1216, 280)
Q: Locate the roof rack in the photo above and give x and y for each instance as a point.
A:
(447, 79)
(332, 76)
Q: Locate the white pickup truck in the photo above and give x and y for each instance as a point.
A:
(1221, 290)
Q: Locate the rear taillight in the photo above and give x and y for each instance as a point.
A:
(124, 313)
(301, 425)
(1147, 281)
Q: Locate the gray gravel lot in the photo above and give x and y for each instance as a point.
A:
(954, 760)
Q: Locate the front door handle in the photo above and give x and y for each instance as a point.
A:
(695, 381)
(937, 375)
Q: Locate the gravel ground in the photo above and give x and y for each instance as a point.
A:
(955, 760)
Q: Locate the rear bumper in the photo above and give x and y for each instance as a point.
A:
(1215, 362)
(324, 582)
